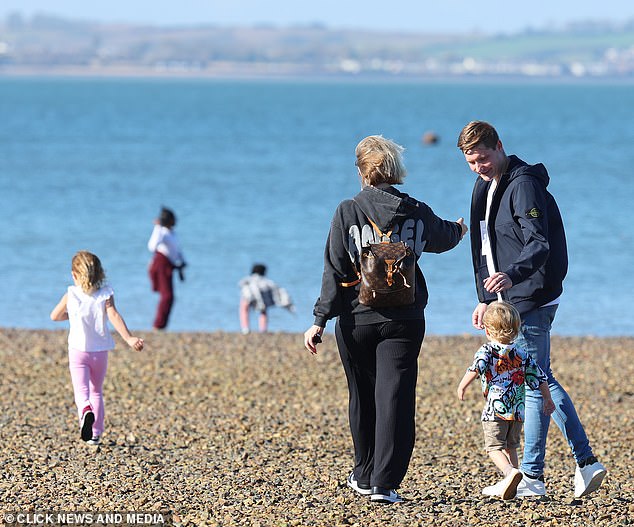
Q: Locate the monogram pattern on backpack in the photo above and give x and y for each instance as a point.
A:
(388, 273)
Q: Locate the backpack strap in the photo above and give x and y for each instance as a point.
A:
(353, 283)
(384, 238)
(382, 235)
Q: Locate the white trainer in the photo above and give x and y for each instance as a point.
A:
(382, 495)
(492, 490)
(357, 487)
(589, 478)
(507, 488)
(530, 487)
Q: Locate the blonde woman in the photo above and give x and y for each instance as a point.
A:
(88, 305)
(379, 346)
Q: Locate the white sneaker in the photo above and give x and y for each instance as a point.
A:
(589, 478)
(530, 487)
(507, 488)
(492, 490)
(382, 495)
(354, 485)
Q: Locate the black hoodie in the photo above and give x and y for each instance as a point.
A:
(411, 221)
(526, 235)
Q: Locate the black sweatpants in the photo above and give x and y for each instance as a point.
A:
(381, 365)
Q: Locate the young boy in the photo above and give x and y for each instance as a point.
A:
(504, 370)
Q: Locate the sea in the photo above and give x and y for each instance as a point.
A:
(254, 169)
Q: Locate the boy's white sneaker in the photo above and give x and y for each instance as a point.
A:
(507, 488)
(589, 477)
(531, 487)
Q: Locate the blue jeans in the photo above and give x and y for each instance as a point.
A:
(534, 337)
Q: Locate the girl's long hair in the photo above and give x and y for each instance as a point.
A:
(88, 271)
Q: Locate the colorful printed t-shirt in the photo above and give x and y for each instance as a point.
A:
(504, 370)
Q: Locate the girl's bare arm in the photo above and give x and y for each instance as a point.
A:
(119, 324)
(60, 312)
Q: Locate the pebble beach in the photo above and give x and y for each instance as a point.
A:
(224, 429)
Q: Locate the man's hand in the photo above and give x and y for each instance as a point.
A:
(478, 315)
(498, 282)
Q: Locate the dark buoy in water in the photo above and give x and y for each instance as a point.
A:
(430, 138)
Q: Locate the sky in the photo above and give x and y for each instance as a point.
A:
(489, 16)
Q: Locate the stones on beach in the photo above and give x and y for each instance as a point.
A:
(221, 429)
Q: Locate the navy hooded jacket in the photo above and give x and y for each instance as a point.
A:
(526, 233)
(411, 221)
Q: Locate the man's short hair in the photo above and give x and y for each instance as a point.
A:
(475, 133)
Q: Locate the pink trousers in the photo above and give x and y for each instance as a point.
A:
(88, 371)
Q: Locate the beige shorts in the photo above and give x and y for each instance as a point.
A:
(501, 435)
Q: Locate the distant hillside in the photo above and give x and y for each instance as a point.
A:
(50, 44)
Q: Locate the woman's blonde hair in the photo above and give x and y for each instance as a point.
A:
(502, 322)
(88, 271)
(380, 160)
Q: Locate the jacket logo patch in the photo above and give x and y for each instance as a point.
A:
(533, 213)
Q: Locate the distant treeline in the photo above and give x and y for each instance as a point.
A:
(589, 49)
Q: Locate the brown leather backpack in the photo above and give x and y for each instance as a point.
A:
(388, 273)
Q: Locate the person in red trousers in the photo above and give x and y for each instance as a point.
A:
(167, 257)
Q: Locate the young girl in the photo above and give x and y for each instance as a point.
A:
(85, 306)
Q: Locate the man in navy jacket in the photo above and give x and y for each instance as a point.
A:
(519, 255)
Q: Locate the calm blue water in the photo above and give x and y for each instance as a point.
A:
(254, 171)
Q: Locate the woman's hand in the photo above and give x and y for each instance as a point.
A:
(312, 337)
(460, 221)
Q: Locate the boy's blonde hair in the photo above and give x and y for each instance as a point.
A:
(380, 160)
(88, 271)
(502, 322)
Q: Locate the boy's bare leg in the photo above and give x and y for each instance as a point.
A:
(512, 455)
(502, 460)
